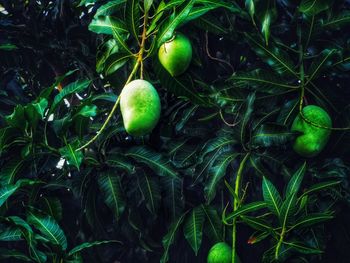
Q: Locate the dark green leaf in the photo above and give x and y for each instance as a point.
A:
(112, 192)
(193, 228)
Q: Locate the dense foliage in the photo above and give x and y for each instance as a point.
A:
(218, 167)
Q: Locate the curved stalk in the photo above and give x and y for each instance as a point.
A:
(237, 202)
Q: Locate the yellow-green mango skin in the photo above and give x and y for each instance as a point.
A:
(140, 107)
(221, 253)
(313, 139)
(176, 54)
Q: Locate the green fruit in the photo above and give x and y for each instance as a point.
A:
(176, 54)
(313, 139)
(221, 253)
(140, 107)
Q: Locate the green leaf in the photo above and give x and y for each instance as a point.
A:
(8, 47)
(153, 160)
(112, 192)
(211, 24)
(249, 104)
(320, 64)
(313, 7)
(88, 111)
(193, 228)
(132, 17)
(265, 27)
(272, 134)
(288, 210)
(147, 5)
(117, 34)
(302, 248)
(117, 160)
(115, 61)
(264, 81)
(295, 182)
(73, 157)
(108, 24)
(109, 8)
(312, 219)
(11, 234)
(36, 110)
(49, 228)
(17, 118)
(6, 191)
(167, 30)
(9, 171)
(86, 245)
(52, 206)
(213, 225)
(250, 5)
(150, 190)
(271, 197)
(13, 254)
(170, 237)
(181, 86)
(257, 223)
(6, 134)
(320, 186)
(337, 22)
(273, 56)
(174, 198)
(245, 209)
(70, 89)
(216, 172)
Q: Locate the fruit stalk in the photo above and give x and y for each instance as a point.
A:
(236, 203)
(139, 62)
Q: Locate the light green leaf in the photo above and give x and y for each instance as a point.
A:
(88, 111)
(70, 89)
(109, 8)
(108, 24)
(49, 228)
(245, 209)
(132, 17)
(147, 5)
(295, 182)
(72, 156)
(271, 197)
(167, 30)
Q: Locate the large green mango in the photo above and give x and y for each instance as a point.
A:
(176, 54)
(313, 139)
(140, 107)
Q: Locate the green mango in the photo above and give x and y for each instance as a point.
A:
(313, 139)
(221, 253)
(176, 54)
(140, 107)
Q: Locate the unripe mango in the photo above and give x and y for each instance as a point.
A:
(140, 107)
(221, 253)
(313, 139)
(176, 54)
